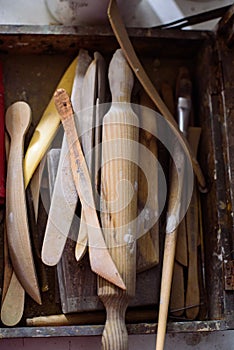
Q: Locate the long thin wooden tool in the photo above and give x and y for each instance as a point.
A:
(89, 128)
(173, 215)
(46, 128)
(64, 199)
(86, 129)
(18, 117)
(13, 293)
(100, 259)
(123, 39)
(119, 178)
(192, 223)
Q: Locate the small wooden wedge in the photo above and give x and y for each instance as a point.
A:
(18, 118)
(100, 259)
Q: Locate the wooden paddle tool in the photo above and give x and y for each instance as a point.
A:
(18, 117)
(64, 198)
(100, 259)
(119, 179)
(13, 293)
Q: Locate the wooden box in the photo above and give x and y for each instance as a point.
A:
(34, 58)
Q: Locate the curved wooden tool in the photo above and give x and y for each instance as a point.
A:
(47, 127)
(64, 198)
(170, 243)
(100, 259)
(12, 293)
(123, 39)
(18, 117)
(119, 179)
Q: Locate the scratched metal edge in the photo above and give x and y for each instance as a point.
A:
(93, 330)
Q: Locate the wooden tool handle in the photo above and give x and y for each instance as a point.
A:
(119, 199)
(100, 259)
(18, 118)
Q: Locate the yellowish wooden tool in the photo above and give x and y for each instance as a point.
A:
(119, 178)
(100, 259)
(47, 127)
(18, 117)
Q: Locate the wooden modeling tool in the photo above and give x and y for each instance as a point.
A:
(119, 179)
(100, 259)
(18, 117)
(13, 293)
(128, 50)
(64, 199)
(46, 128)
(93, 94)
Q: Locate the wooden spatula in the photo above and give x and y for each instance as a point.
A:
(100, 259)
(12, 307)
(18, 117)
(119, 178)
(63, 206)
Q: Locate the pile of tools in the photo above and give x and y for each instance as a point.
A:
(103, 210)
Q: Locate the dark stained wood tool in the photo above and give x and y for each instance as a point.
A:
(18, 117)
(119, 179)
(100, 259)
(192, 228)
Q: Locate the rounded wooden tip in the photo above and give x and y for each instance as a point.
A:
(18, 118)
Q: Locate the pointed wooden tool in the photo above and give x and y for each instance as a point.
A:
(119, 179)
(89, 128)
(46, 128)
(124, 41)
(64, 199)
(18, 117)
(100, 259)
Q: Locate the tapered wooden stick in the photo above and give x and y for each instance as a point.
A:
(119, 199)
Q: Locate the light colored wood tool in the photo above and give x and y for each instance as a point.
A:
(46, 128)
(173, 218)
(148, 243)
(119, 178)
(123, 39)
(64, 199)
(192, 223)
(13, 293)
(100, 259)
(89, 129)
(86, 124)
(18, 117)
(35, 185)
